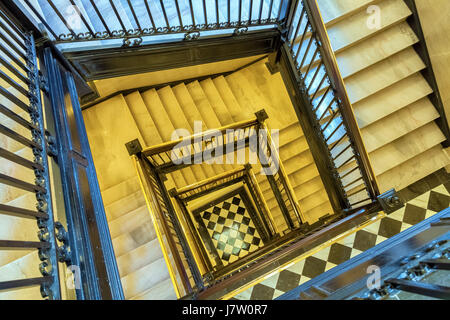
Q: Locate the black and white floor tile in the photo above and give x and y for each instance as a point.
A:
(420, 205)
(231, 229)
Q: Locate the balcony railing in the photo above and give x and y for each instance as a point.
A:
(70, 21)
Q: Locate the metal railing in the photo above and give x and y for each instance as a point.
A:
(69, 21)
(324, 90)
(184, 195)
(22, 128)
(186, 248)
(183, 270)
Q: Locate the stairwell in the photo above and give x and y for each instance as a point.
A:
(152, 116)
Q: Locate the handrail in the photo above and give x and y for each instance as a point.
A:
(337, 82)
(208, 181)
(168, 146)
(157, 214)
(285, 180)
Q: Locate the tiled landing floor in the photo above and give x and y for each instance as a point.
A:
(423, 199)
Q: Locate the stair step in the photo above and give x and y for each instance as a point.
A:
(383, 74)
(111, 118)
(405, 148)
(391, 99)
(338, 10)
(162, 291)
(381, 134)
(145, 278)
(399, 124)
(354, 29)
(317, 212)
(144, 121)
(159, 115)
(208, 116)
(414, 169)
(271, 93)
(120, 190)
(175, 113)
(215, 99)
(237, 113)
(191, 114)
(142, 234)
(125, 205)
(371, 51)
(139, 257)
(376, 49)
(129, 221)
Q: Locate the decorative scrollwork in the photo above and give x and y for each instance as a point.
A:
(132, 42)
(192, 35)
(240, 31)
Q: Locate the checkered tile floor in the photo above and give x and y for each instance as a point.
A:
(416, 210)
(231, 229)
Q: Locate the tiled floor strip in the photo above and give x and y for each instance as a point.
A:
(423, 199)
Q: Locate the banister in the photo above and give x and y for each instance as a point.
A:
(157, 214)
(337, 83)
(168, 146)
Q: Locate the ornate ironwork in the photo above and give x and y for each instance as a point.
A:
(192, 31)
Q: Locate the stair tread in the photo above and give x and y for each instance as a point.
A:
(139, 257)
(371, 51)
(111, 118)
(144, 278)
(128, 221)
(414, 169)
(120, 190)
(191, 114)
(399, 124)
(124, 205)
(383, 74)
(215, 99)
(158, 114)
(129, 241)
(391, 99)
(237, 112)
(337, 10)
(144, 121)
(205, 110)
(354, 29)
(178, 121)
(406, 147)
(162, 291)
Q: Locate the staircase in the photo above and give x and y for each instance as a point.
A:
(152, 116)
(382, 74)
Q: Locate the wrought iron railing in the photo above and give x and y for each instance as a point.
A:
(184, 248)
(234, 177)
(324, 91)
(69, 21)
(183, 270)
(22, 125)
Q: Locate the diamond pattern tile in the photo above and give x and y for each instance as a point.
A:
(231, 229)
(424, 199)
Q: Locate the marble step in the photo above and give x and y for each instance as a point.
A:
(161, 291)
(367, 53)
(145, 278)
(159, 115)
(414, 169)
(139, 257)
(353, 30)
